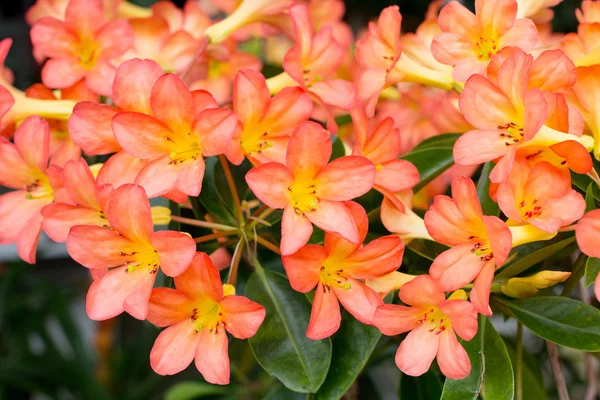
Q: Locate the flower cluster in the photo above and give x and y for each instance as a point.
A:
(163, 95)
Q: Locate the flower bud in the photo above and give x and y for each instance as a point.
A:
(529, 286)
(228, 290)
(161, 215)
(387, 283)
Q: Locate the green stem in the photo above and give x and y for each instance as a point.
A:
(203, 224)
(519, 363)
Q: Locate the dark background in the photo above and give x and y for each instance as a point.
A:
(47, 343)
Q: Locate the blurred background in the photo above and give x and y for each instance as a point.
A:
(49, 349)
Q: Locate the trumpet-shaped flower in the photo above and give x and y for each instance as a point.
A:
(382, 147)
(25, 168)
(335, 270)
(433, 323)
(197, 314)
(468, 41)
(179, 130)
(480, 243)
(132, 251)
(541, 196)
(265, 123)
(310, 190)
(508, 116)
(585, 95)
(83, 46)
(587, 233)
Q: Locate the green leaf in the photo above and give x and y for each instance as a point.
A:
(592, 268)
(353, 344)
(488, 206)
(210, 197)
(425, 387)
(560, 320)
(192, 390)
(337, 148)
(498, 377)
(533, 387)
(583, 182)
(343, 119)
(280, 345)
(530, 260)
(432, 157)
(468, 388)
(590, 203)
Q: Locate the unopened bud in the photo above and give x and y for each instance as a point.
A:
(529, 286)
(161, 215)
(458, 295)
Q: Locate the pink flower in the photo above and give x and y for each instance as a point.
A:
(480, 243)
(468, 41)
(336, 269)
(132, 251)
(433, 323)
(311, 190)
(198, 314)
(83, 46)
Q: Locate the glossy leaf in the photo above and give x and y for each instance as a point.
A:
(498, 377)
(425, 387)
(590, 203)
(560, 320)
(280, 345)
(210, 197)
(528, 261)
(432, 157)
(488, 206)
(592, 268)
(192, 390)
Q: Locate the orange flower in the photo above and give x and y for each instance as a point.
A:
(469, 40)
(265, 123)
(132, 251)
(541, 196)
(480, 243)
(25, 166)
(83, 46)
(197, 315)
(336, 269)
(433, 323)
(310, 190)
(587, 233)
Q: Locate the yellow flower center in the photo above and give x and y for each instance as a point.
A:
(303, 197)
(436, 320)
(332, 275)
(184, 148)
(207, 315)
(512, 133)
(39, 189)
(142, 258)
(87, 52)
(485, 48)
(530, 209)
(255, 142)
(481, 248)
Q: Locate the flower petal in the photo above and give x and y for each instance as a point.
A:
(212, 359)
(215, 127)
(133, 83)
(242, 316)
(169, 306)
(334, 217)
(96, 247)
(135, 223)
(381, 256)
(303, 267)
(201, 279)
(141, 135)
(309, 150)
(456, 267)
(393, 320)
(417, 351)
(345, 178)
(174, 348)
(295, 231)
(359, 300)
(269, 182)
(423, 291)
(176, 251)
(587, 232)
(90, 127)
(463, 317)
(325, 317)
(172, 103)
(480, 294)
(452, 357)
(60, 218)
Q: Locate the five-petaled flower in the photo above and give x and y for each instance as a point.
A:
(311, 190)
(198, 313)
(433, 322)
(480, 243)
(336, 269)
(131, 250)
